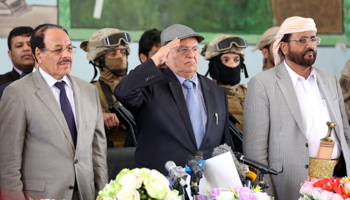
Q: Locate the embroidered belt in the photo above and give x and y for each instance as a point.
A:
(320, 168)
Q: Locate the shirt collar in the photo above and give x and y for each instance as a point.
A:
(294, 76)
(17, 70)
(51, 80)
(194, 79)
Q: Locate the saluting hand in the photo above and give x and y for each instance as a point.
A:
(160, 57)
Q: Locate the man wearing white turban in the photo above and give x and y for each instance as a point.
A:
(286, 111)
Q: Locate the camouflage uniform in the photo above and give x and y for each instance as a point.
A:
(235, 93)
(116, 136)
(236, 97)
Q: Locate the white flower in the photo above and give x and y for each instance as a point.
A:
(127, 193)
(262, 196)
(172, 195)
(156, 185)
(225, 195)
(131, 180)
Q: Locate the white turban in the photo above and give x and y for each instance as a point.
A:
(291, 25)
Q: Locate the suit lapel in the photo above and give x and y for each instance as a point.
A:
(286, 85)
(209, 104)
(321, 81)
(45, 94)
(79, 110)
(177, 93)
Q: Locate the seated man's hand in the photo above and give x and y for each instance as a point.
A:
(111, 120)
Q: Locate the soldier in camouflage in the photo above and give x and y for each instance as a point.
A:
(107, 49)
(226, 61)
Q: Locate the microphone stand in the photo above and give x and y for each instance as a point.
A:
(262, 184)
(195, 186)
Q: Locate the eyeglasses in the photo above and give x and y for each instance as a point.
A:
(58, 51)
(185, 50)
(304, 41)
(113, 40)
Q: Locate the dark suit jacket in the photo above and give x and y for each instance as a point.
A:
(2, 88)
(164, 130)
(9, 77)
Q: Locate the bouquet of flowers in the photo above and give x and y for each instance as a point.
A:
(328, 188)
(138, 184)
(235, 193)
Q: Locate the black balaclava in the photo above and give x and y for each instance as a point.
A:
(223, 74)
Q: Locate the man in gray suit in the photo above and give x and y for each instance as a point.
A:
(287, 108)
(52, 139)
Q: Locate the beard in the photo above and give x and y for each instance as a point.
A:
(300, 58)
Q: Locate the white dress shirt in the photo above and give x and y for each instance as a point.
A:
(56, 92)
(314, 111)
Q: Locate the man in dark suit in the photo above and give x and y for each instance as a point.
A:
(166, 128)
(20, 54)
(52, 139)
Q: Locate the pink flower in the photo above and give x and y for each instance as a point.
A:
(307, 188)
(337, 197)
(215, 192)
(347, 186)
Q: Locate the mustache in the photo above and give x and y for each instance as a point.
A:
(311, 50)
(64, 60)
(26, 55)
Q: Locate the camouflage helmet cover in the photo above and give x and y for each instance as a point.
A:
(95, 52)
(209, 54)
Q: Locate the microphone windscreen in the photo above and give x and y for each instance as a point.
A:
(169, 165)
(252, 176)
(198, 155)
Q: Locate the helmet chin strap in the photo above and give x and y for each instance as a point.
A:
(119, 72)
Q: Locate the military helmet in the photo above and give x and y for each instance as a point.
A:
(224, 44)
(104, 40)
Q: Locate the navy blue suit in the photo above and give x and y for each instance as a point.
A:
(10, 76)
(164, 130)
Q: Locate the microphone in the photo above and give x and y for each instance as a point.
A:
(177, 175)
(198, 155)
(261, 167)
(225, 148)
(251, 176)
(194, 167)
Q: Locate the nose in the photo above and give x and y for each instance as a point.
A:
(190, 54)
(65, 53)
(310, 43)
(26, 47)
(231, 63)
(119, 54)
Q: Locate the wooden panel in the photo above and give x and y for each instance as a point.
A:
(328, 14)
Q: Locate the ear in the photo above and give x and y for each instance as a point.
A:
(38, 55)
(9, 52)
(142, 57)
(265, 52)
(284, 47)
